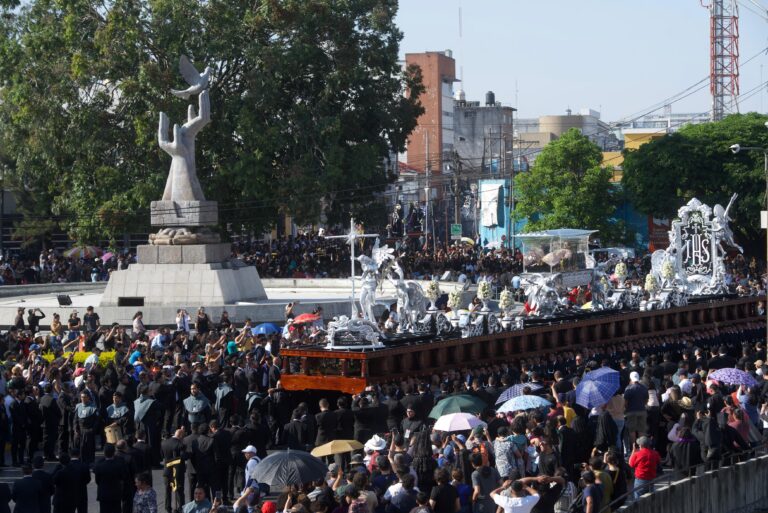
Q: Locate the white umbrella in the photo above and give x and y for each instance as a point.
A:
(457, 422)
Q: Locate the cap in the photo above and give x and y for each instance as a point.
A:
(333, 468)
(462, 438)
(251, 449)
(357, 458)
(634, 377)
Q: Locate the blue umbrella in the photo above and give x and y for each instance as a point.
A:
(516, 390)
(524, 402)
(597, 387)
(266, 329)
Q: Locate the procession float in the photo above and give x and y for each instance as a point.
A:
(685, 289)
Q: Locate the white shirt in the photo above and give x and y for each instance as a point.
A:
(395, 489)
(250, 467)
(516, 504)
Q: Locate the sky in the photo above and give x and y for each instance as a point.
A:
(618, 57)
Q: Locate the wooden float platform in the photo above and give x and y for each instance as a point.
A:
(316, 368)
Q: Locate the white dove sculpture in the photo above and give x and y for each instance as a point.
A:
(197, 82)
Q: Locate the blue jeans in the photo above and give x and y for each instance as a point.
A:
(641, 487)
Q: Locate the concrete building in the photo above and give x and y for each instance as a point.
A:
(483, 133)
(435, 127)
(533, 134)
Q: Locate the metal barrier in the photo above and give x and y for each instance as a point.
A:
(731, 458)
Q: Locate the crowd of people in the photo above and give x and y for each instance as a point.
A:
(312, 255)
(204, 402)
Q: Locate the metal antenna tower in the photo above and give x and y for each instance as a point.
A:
(724, 56)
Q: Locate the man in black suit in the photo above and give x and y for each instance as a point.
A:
(142, 453)
(722, 361)
(174, 456)
(26, 492)
(111, 475)
(568, 445)
(204, 459)
(365, 418)
(222, 458)
(326, 424)
(345, 420)
(19, 421)
(51, 418)
(190, 442)
(46, 483)
(125, 454)
(5, 498)
(66, 408)
(73, 481)
(296, 433)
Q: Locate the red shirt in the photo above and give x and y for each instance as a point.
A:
(645, 462)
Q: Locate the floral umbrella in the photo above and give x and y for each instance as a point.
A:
(82, 252)
(733, 377)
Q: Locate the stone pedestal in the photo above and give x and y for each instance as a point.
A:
(184, 254)
(183, 285)
(184, 213)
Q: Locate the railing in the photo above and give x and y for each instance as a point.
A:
(731, 458)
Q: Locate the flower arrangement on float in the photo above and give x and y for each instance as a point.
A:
(433, 293)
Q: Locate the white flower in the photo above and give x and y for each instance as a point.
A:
(621, 270)
(454, 300)
(506, 301)
(650, 283)
(667, 270)
(433, 290)
(484, 290)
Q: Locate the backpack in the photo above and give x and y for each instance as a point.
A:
(482, 449)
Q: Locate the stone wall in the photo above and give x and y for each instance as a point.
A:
(718, 491)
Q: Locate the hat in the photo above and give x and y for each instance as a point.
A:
(357, 458)
(634, 377)
(759, 363)
(333, 468)
(251, 449)
(376, 443)
(462, 438)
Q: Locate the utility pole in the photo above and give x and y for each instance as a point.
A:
(456, 173)
(426, 192)
(511, 199)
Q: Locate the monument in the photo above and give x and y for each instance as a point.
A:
(185, 262)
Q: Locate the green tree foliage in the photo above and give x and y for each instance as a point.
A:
(307, 103)
(568, 188)
(664, 174)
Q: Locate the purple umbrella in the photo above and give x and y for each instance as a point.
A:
(733, 377)
(516, 390)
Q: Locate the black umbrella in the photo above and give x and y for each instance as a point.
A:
(289, 468)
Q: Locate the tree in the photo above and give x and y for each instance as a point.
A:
(568, 188)
(307, 104)
(664, 174)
